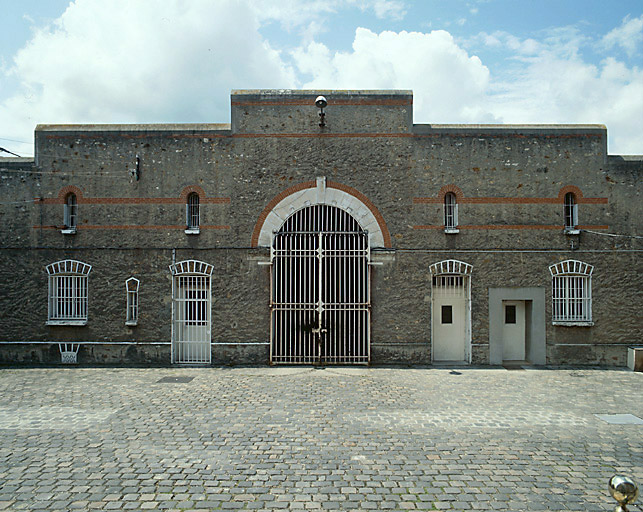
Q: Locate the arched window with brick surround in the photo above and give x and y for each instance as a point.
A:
(450, 213)
(70, 219)
(192, 213)
(570, 210)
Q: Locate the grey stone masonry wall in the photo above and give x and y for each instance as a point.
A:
(132, 182)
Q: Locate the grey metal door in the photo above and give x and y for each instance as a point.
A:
(320, 297)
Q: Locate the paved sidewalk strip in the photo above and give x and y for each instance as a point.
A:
(298, 438)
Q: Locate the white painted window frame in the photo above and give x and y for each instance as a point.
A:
(192, 214)
(70, 214)
(570, 214)
(68, 293)
(131, 289)
(572, 293)
(450, 213)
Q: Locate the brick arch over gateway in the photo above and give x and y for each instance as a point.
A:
(321, 191)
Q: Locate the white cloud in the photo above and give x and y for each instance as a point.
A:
(628, 36)
(142, 61)
(448, 84)
(559, 87)
(145, 61)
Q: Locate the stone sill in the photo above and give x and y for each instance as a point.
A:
(66, 322)
(572, 231)
(131, 323)
(574, 324)
(192, 231)
(68, 231)
(451, 231)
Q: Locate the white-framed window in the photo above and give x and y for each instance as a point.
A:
(450, 213)
(70, 218)
(570, 212)
(67, 296)
(131, 288)
(571, 293)
(192, 214)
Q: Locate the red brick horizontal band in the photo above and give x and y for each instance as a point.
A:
(132, 200)
(510, 200)
(331, 102)
(319, 135)
(133, 226)
(144, 135)
(507, 226)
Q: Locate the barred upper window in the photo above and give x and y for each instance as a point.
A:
(131, 287)
(450, 211)
(70, 213)
(192, 212)
(572, 292)
(67, 297)
(570, 211)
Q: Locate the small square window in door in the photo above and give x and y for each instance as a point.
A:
(447, 314)
(510, 314)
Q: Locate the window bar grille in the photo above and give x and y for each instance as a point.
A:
(70, 212)
(192, 211)
(131, 287)
(571, 211)
(450, 211)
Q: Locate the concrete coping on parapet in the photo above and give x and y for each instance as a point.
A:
(16, 163)
(194, 128)
(510, 129)
(16, 160)
(306, 93)
(626, 158)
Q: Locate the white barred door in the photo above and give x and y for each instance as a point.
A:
(191, 312)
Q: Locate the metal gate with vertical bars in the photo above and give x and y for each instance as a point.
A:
(191, 315)
(320, 296)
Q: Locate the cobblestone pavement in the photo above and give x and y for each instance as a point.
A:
(316, 439)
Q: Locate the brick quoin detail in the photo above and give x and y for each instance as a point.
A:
(312, 184)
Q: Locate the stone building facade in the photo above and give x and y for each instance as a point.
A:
(369, 239)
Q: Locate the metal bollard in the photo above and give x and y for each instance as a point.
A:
(624, 490)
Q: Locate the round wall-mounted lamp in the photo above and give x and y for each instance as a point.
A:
(321, 103)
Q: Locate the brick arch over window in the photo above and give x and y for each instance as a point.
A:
(69, 189)
(321, 191)
(566, 190)
(192, 189)
(459, 196)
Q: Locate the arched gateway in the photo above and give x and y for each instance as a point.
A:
(320, 296)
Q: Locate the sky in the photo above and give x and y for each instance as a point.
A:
(467, 61)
